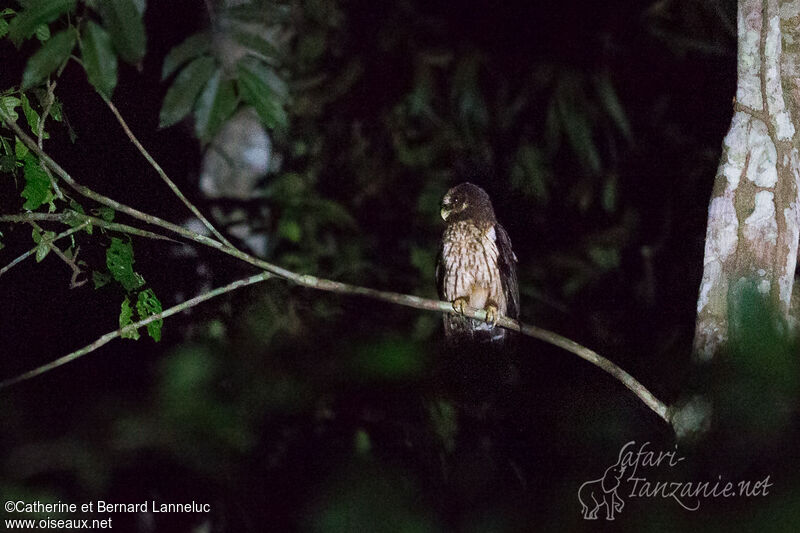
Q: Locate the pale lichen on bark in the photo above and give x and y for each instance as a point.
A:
(754, 216)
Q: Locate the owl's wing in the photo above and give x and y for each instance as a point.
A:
(440, 272)
(507, 264)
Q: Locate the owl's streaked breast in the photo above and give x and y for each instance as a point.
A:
(470, 261)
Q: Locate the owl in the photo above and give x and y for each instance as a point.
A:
(476, 267)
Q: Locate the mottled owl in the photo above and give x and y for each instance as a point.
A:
(476, 266)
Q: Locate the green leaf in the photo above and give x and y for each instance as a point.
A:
(36, 13)
(215, 105)
(258, 45)
(259, 12)
(126, 319)
(41, 251)
(100, 279)
(74, 219)
(181, 96)
(8, 163)
(3, 28)
(32, 117)
(37, 184)
(256, 91)
(290, 230)
(578, 130)
(119, 260)
(392, 358)
(194, 46)
(20, 150)
(8, 106)
(36, 235)
(56, 111)
(610, 100)
(444, 418)
(99, 59)
(606, 258)
(552, 127)
(106, 213)
(609, 200)
(75, 206)
(148, 305)
(267, 75)
(330, 212)
(42, 32)
(529, 173)
(123, 20)
(48, 58)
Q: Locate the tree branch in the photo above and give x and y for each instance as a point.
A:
(49, 99)
(72, 263)
(71, 217)
(163, 174)
(32, 251)
(97, 197)
(108, 337)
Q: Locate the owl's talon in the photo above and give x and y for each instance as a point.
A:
(459, 304)
(492, 316)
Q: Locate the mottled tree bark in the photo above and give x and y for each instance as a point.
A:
(754, 215)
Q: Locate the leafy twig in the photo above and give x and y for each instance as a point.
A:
(72, 262)
(105, 339)
(32, 251)
(49, 99)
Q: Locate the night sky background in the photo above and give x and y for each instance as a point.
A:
(596, 128)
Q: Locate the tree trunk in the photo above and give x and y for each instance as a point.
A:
(754, 215)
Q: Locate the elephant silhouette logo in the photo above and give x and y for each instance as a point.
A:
(602, 493)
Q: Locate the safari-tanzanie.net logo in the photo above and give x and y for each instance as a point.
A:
(630, 478)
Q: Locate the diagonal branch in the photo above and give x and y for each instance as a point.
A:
(164, 176)
(108, 337)
(72, 262)
(97, 197)
(48, 104)
(32, 251)
(71, 217)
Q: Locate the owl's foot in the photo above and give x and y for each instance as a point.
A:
(492, 315)
(459, 304)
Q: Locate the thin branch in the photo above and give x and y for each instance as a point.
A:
(49, 99)
(70, 217)
(108, 337)
(97, 197)
(160, 171)
(32, 251)
(72, 262)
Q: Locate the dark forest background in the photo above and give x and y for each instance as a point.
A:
(596, 128)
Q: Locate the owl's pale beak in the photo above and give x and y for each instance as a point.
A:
(445, 213)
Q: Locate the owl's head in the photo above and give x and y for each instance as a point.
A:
(466, 201)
